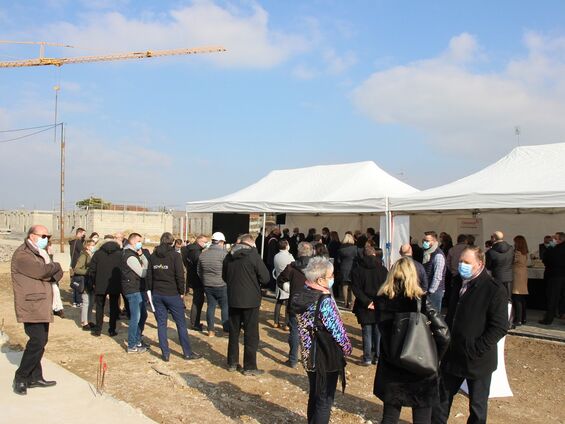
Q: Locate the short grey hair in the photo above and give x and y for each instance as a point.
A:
(305, 249)
(318, 267)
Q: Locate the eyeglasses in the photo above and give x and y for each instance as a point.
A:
(47, 236)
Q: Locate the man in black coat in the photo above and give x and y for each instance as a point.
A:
(104, 272)
(406, 252)
(500, 259)
(477, 318)
(166, 284)
(554, 261)
(294, 275)
(76, 245)
(271, 249)
(366, 280)
(190, 255)
(244, 272)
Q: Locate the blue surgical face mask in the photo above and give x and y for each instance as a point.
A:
(465, 270)
(138, 245)
(552, 243)
(42, 242)
(330, 283)
(426, 245)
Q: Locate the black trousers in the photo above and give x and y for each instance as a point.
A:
(249, 319)
(100, 301)
(30, 366)
(478, 398)
(320, 403)
(519, 302)
(391, 414)
(197, 303)
(555, 290)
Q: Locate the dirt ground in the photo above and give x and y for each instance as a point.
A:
(204, 392)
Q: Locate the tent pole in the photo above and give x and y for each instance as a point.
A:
(388, 245)
(263, 238)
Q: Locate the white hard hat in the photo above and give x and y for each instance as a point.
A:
(217, 236)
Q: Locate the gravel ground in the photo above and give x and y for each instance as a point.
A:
(6, 252)
(204, 392)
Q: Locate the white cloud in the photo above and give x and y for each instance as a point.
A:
(304, 72)
(338, 64)
(246, 33)
(457, 108)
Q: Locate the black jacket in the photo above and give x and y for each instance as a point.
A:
(190, 255)
(104, 268)
(499, 261)
(167, 276)
(75, 248)
(244, 272)
(272, 248)
(294, 274)
(554, 261)
(366, 280)
(422, 275)
(346, 256)
(417, 253)
(394, 384)
(477, 321)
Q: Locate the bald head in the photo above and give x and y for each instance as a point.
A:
(405, 250)
(37, 232)
(35, 229)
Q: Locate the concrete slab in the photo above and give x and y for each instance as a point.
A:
(71, 400)
(554, 332)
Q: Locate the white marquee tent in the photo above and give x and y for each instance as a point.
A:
(522, 193)
(360, 187)
(529, 177)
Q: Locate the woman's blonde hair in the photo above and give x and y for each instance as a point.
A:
(402, 279)
(348, 239)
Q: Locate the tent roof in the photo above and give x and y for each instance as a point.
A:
(529, 177)
(346, 188)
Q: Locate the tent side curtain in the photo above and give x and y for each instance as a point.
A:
(354, 206)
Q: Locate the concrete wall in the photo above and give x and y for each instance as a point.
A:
(149, 224)
(19, 221)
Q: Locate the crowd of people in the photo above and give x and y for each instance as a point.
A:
(308, 276)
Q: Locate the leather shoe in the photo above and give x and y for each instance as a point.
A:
(40, 383)
(192, 356)
(20, 387)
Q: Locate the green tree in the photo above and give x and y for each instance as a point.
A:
(93, 203)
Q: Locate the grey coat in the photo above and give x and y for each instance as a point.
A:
(210, 266)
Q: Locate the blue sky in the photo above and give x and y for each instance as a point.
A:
(431, 91)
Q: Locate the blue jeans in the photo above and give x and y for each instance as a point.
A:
(215, 296)
(371, 341)
(138, 316)
(77, 296)
(293, 339)
(174, 305)
(435, 299)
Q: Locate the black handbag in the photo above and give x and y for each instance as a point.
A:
(412, 344)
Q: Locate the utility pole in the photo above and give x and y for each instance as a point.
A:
(62, 210)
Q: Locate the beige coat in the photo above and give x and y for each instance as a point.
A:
(31, 279)
(520, 273)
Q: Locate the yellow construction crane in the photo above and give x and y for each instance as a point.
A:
(44, 61)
